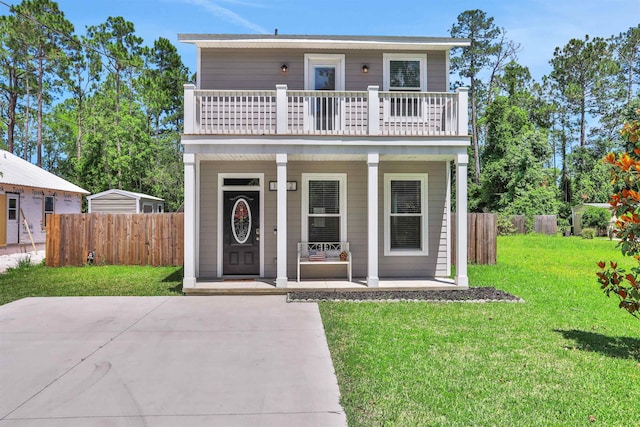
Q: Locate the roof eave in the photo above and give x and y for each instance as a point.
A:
(322, 42)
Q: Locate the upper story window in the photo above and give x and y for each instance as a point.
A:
(405, 72)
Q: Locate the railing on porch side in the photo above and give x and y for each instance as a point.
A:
(293, 112)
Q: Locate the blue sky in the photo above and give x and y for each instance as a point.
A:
(538, 25)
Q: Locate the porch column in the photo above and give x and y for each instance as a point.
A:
(461, 220)
(189, 279)
(281, 279)
(373, 159)
(282, 120)
(189, 108)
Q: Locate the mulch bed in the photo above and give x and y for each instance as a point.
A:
(484, 294)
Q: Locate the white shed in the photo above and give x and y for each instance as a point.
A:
(121, 201)
(27, 194)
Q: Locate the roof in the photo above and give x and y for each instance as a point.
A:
(125, 193)
(236, 41)
(17, 171)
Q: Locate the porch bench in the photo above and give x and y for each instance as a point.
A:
(324, 253)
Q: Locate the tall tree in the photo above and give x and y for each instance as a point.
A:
(120, 51)
(470, 61)
(582, 71)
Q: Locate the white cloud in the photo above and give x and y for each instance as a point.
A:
(222, 12)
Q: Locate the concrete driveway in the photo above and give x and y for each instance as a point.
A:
(165, 361)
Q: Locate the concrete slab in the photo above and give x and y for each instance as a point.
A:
(231, 360)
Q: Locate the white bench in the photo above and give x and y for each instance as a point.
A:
(312, 253)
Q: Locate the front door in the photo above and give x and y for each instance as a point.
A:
(241, 233)
(13, 218)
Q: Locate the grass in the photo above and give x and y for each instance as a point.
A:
(37, 280)
(567, 356)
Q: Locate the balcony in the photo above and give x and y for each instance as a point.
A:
(348, 113)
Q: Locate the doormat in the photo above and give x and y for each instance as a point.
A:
(475, 295)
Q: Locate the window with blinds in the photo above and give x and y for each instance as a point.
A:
(404, 75)
(324, 213)
(406, 219)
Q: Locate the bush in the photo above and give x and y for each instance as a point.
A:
(588, 233)
(625, 170)
(598, 218)
(505, 225)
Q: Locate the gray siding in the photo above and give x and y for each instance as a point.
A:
(113, 203)
(435, 264)
(259, 69)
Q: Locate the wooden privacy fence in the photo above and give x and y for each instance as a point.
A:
(543, 224)
(116, 239)
(482, 238)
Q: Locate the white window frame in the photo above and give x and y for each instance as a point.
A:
(386, 68)
(312, 59)
(342, 188)
(424, 182)
(386, 73)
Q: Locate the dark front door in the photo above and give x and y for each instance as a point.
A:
(241, 246)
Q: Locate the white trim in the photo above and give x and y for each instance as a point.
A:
(447, 66)
(198, 67)
(447, 213)
(423, 178)
(386, 70)
(221, 189)
(197, 214)
(342, 179)
(310, 59)
(373, 243)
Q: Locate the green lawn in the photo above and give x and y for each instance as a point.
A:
(567, 356)
(38, 281)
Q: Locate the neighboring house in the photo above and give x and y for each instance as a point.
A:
(27, 191)
(293, 139)
(578, 210)
(121, 201)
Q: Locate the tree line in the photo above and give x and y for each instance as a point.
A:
(101, 109)
(537, 146)
(104, 111)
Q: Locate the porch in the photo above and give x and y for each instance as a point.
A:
(268, 286)
(348, 113)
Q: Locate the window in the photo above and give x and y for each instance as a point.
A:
(404, 73)
(13, 209)
(147, 208)
(48, 208)
(324, 207)
(405, 206)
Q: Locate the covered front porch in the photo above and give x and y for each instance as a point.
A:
(268, 170)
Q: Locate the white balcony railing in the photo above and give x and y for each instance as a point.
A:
(293, 112)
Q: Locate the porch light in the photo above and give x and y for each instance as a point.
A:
(365, 68)
(284, 68)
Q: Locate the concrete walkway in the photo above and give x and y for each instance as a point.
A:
(165, 361)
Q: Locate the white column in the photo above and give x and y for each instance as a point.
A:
(463, 110)
(461, 220)
(189, 109)
(282, 120)
(189, 279)
(281, 279)
(373, 159)
(374, 110)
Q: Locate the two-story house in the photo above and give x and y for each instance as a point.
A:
(323, 139)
